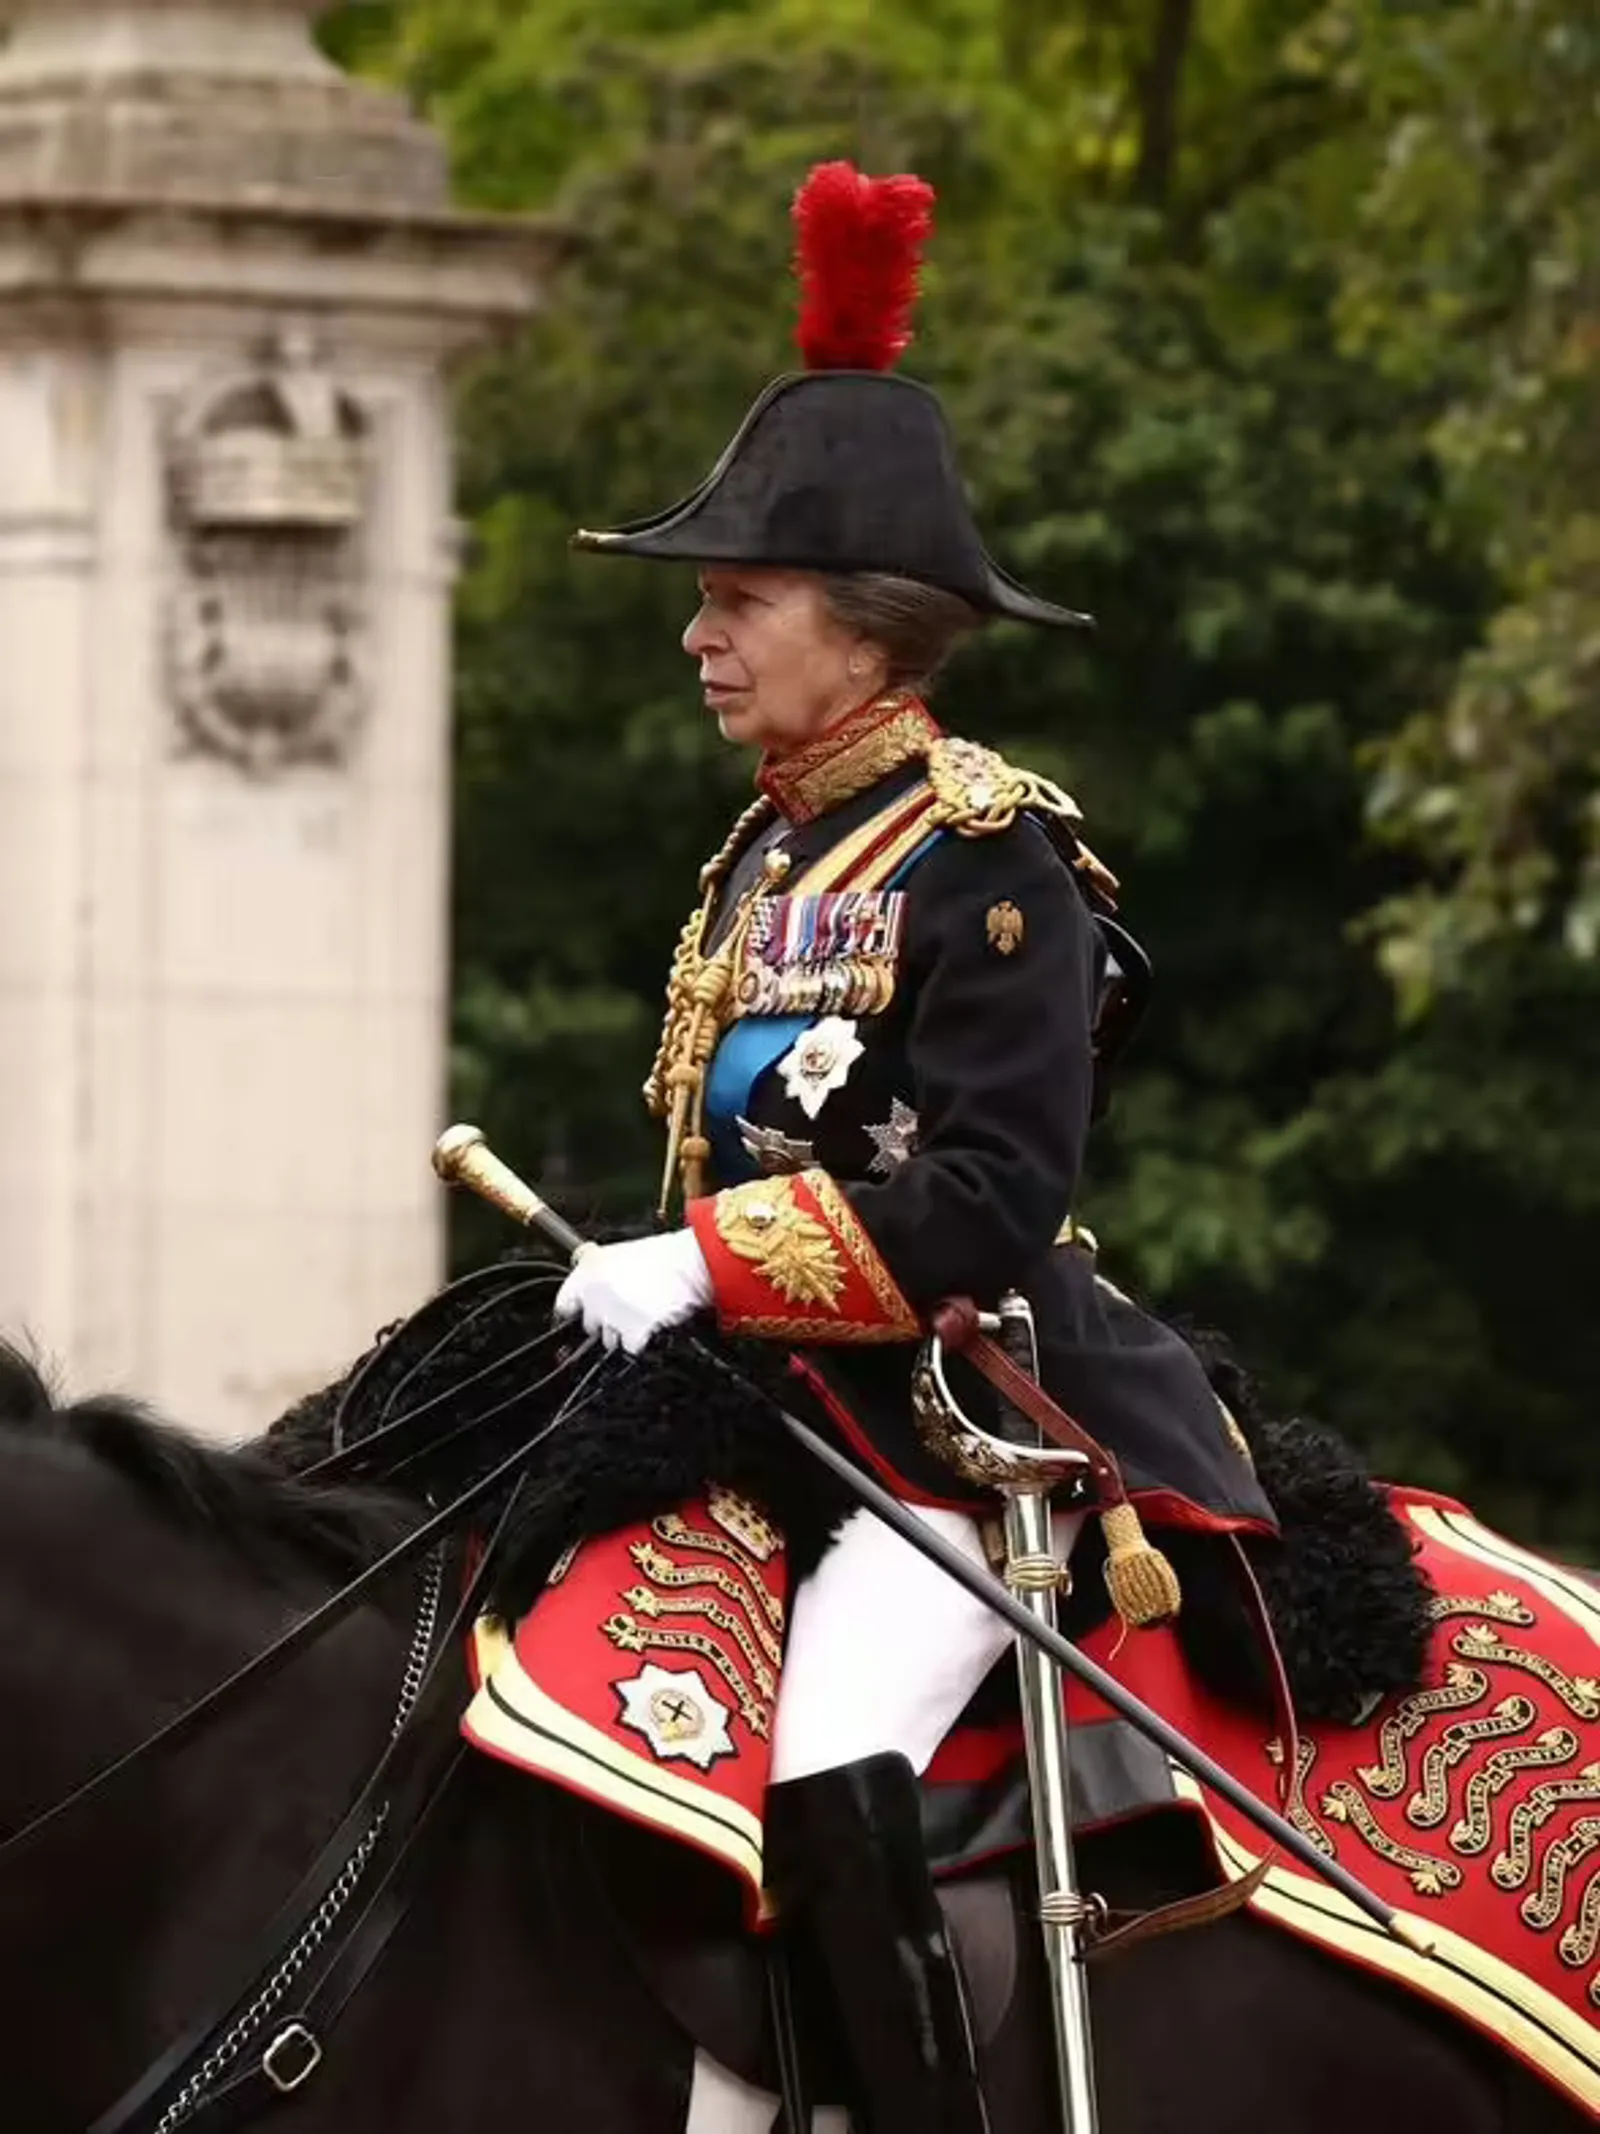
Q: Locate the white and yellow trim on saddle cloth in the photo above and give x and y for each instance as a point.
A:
(513, 1718)
(645, 1677)
(1512, 1733)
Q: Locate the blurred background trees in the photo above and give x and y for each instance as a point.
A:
(1270, 331)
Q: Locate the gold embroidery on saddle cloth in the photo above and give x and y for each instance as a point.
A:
(652, 1605)
(1481, 1641)
(674, 1577)
(1294, 1805)
(1473, 1829)
(1499, 1607)
(1543, 1906)
(629, 1635)
(1430, 1876)
(1511, 1867)
(746, 1522)
(1430, 1804)
(763, 1223)
(673, 1527)
(1461, 1686)
(1578, 1944)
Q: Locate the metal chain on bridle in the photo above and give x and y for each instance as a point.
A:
(401, 1411)
(322, 1921)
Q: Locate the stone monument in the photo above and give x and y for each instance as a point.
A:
(231, 289)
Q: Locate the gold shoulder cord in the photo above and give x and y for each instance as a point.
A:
(699, 991)
(976, 793)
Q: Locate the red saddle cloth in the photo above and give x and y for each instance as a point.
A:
(647, 1676)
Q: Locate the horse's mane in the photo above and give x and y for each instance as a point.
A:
(243, 1495)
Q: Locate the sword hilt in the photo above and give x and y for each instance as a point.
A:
(1015, 1334)
(461, 1156)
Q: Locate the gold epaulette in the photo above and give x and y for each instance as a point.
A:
(976, 793)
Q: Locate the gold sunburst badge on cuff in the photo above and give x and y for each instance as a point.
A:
(790, 1250)
(790, 1259)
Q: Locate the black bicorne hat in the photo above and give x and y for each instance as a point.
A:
(844, 467)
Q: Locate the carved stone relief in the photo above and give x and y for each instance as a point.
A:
(269, 473)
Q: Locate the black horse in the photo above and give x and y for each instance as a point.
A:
(556, 1969)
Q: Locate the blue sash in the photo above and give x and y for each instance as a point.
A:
(754, 1044)
(748, 1048)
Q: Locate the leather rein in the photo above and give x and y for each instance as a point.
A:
(263, 2037)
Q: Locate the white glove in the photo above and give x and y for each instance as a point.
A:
(627, 1292)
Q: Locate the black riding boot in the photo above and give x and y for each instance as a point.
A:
(851, 1877)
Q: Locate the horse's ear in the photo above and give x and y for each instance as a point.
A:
(25, 1395)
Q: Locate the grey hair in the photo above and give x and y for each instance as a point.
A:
(915, 626)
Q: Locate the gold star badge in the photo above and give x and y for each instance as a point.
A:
(1004, 928)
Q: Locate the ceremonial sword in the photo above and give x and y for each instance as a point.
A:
(461, 1156)
(1035, 1573)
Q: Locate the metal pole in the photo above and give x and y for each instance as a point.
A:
(1034, 1573)
(1030, 1540)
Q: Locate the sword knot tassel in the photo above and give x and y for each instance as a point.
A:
(1143, 1586)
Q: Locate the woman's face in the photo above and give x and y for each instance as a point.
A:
(775, 666)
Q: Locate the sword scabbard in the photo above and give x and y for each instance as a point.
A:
(1035, 1574)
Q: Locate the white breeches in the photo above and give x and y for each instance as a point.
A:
(884, 1648)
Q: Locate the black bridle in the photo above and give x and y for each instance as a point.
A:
(259, 1670)
(248, 2049)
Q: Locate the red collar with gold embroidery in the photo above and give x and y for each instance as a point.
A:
(853, 754)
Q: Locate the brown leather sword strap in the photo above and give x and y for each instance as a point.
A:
(956, 1325)
(1213, 1904)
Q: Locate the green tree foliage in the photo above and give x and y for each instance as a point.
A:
(1231, 329)
(1474, 259)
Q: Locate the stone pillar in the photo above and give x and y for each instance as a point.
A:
(230, 291)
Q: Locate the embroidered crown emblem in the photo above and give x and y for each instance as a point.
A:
(744, 1523)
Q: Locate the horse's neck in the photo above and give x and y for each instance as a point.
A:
(111, 1621)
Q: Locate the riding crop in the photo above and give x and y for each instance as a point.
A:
(461, 1156)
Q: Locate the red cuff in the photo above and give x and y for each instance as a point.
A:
(789, 1259)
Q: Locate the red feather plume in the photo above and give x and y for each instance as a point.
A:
(858, 255)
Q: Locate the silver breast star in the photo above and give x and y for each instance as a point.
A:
(894, 1140)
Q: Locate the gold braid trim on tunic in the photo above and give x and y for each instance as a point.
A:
(975, 793)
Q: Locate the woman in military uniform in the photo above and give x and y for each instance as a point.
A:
(878, 1070)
